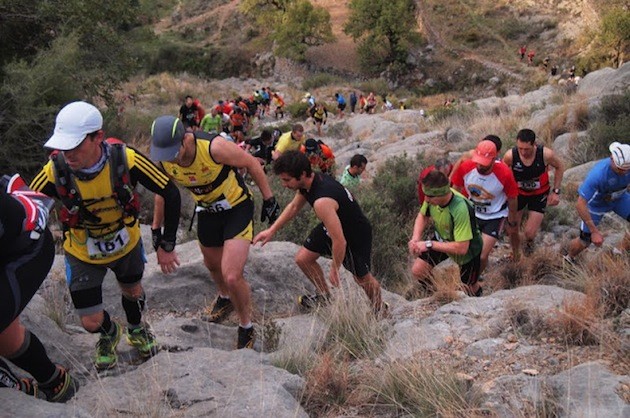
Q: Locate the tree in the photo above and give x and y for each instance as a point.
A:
(386, 29)
(75, 49)
(295, 25)
(615, 34)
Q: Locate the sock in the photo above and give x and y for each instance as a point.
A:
(107, 326)
(32, 357)
(246, 326)
(224, 297)
(133, 310)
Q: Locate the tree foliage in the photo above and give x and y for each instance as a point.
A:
(52, 53)
(386, 30)
(295, 25)
(615, 34)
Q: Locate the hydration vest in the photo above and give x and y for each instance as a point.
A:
(74, 212)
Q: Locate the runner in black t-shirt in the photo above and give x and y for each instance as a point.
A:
(188, 113)
(344, 233)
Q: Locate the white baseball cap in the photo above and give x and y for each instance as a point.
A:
(620, 155)
(73, 123)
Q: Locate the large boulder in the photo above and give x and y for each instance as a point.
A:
(605, 81)
(202, 382)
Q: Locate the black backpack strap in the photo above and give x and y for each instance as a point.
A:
(122, 187)
(73, 210)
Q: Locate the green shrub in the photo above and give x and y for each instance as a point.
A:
(320, 80)
(376, 85)
(297, 110)
(612, 123)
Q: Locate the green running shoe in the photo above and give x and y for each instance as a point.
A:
(144, 340)
(106, 356)
(62, 389)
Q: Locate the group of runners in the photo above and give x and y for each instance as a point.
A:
(94, 178)
(470, 203)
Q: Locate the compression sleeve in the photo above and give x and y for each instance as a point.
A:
(150, 176)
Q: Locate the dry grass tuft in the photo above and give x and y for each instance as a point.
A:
(415, 388)
(327, 384)
(448, 285)
(352, 326)
(577, 322)
(611, 285)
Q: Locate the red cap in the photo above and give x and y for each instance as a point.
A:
(485, 153)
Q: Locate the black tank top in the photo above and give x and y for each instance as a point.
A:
(532, 179)
(353, 221)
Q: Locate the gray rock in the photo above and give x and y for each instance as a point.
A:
(605, 81)
(590, 390)
(485, 348)
(567, 146)
(198, 383)
(18, 404)
(578, 173)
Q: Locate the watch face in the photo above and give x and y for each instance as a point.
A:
(167, 246)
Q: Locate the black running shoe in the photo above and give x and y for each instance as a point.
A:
(246, 337)
(310, 302)
(221, 309)
(62, 389)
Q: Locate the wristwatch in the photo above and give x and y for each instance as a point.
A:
(556, 191)
(167, 246)
(428, 244)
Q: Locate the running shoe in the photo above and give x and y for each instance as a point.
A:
(310, 302)
(144, 340)
(220, 311)
(246, 338)
(62, 388)
(106, 356)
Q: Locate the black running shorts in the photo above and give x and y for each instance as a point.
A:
(358, 259)
(213, 229)
(535, 203)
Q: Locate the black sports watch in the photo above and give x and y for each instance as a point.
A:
(556, 191)
(167, 246)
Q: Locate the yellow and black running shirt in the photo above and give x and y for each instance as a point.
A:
(213, 185)
(109, 239)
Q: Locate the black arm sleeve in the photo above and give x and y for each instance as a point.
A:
(151, 177)
(11, 219)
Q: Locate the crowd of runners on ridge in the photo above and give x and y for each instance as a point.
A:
(210, 153)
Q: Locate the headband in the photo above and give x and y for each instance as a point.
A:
(436, 191)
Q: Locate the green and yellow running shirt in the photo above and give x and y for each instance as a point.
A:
(456, 222)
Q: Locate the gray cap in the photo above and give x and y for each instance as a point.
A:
(167, 133)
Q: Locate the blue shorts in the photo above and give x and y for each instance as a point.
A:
(620, 206)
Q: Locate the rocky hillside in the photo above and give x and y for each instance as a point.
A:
(464, 40)
(524, 351)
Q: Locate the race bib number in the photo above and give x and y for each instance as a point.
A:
(481, 209)
(216, 207)
(101, 248)
(529, 185)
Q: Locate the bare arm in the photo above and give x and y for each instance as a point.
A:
(582, 209)
(552, 159)
(326, 210)
(228, 153)
(289, 212)
(507, 158)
